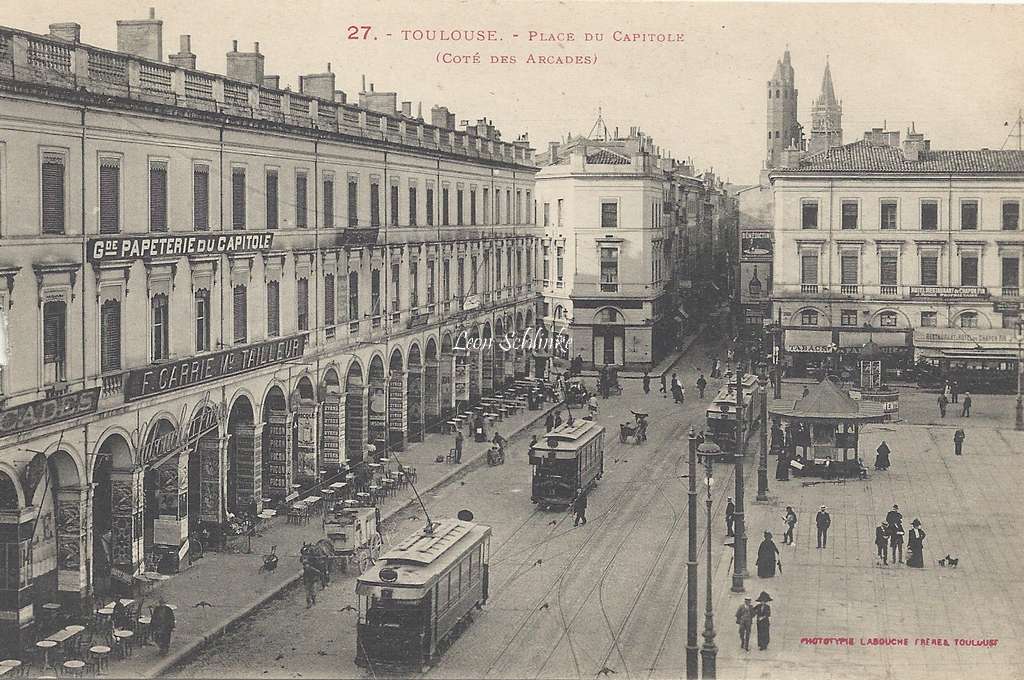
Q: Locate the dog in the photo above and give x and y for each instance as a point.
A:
(949, 561)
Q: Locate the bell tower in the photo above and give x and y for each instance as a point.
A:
(826, 117)
(783, 129)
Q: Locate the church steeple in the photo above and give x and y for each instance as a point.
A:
(828, 93)
(783, 129)
(826, 116)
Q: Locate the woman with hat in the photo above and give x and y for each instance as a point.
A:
(882, 456)
(767, 555)
(762, 615)
(915, 545)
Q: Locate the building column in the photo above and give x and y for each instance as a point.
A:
(398, 415)
(16, 610)
(487, 369)
(308, 464)
(72, 547)
(474, 376)
(377, 414)
(356, 423)
(432, 395)
(248, 443)
(446, 386)
(414, 393)
(332, 431)
(127, 528)
(170, 528)
(279, 455)
(213, 482)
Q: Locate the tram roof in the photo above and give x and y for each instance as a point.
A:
(580, 429)
(422, 557)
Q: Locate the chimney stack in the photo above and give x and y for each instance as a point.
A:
(340, 97)
(245, 66)
(320, 85)
(141, 37)
(271, 82)
(184, 58)
(441, 117)
(552, 153)
(914, 144)
(407, 109)
(68, 31)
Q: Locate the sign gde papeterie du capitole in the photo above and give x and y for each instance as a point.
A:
(137, 247)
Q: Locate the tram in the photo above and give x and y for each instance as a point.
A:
(721, 414)
(978, 374)
(416, 600)
(569, 457)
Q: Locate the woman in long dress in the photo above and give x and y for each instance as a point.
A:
(767, 555)
(762, 615)
(915, 545)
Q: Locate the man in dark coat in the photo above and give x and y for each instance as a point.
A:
(745, 619)
(767, 555)
(663, 383)
(882, 456)
(782, 465)
(702, 385)
(647, 383)
(894, 516)
(943, 402)
(458, 446)
(954, 388)
(311, 576)
(882, 542)
(558, 419)
(763, 614)
(823, 521)
(790, 519)
(162, 623)
(958, 439)
(730, 517)
(579, 507)
(915, 545)
(549, 422)
(966, 411)
(896, 539)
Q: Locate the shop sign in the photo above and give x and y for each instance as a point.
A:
(48, 411)
(146, 382)
(187, 435)
(948, 291)
(138, 247)
(461, 382)
(1006, 307)
(756, 245)
(970, 337)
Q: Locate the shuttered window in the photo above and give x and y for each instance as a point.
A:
(430, 207)
(272, 213)
(110, 336)
(329, 302)
(273, 309)
(888, 270)
(414, 284)
(54, 328)
(431, 280)
(412, 206)
(158, 196)
(1011, 272)
(809, 215)
(110, 196)
(353, 203)
(809, 269)
(52, 190)
(300, 201)
(929, 215)
(968, 271)
(328, 203)
(968, 215)
(161, 326)
(201, 197)
(353, 296)
(444, 207)
(458, 207)
(374, 205)
(202, 302)
(929, 270)
(396, 281)
(848, 267)
(394, 205)
(302, 303)
(238, 198)
(241, 314)
(375, 292)
(850, 214)
(472, 207)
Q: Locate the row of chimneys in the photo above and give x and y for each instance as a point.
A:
(912, 146)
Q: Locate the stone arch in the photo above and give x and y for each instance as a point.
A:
(245, 446)
(332, 431)
(276, 445)
(414, 393)
(902, 320)
(983, 319)
(205, 469)
(114, 443)
(355, 412)
(12, 494)
(397, 404)
(115, 493)
(235, 399)
(303, 407)
(824, 318)
(275, 385)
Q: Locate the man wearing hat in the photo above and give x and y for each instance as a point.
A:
(882, 541)
(763, 614)
(745, 619)
(162, 623)
(730, 517)
(823, 522)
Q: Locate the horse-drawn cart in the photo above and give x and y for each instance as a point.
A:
(352, 537)
(638, 431)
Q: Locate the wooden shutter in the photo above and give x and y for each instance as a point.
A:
(110, 336)
(353, 296)
(809, 269)
(328, 203)
(1011, 272)
(240, 313)
(374, 205)
(52, 188)
(929, 271)
(238, 198)
(300, 201)
(353, 204)
(430, 207)
(273, 309)
(394, 206)
(201, 197)
(302, 303)
(888, 270)
(848, 266)
(329, 303)
(158, 196)
(412, 206)
(110, 196)
(968, 271)
(54, 320)
(272, 200)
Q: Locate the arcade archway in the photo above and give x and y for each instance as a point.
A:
(304, 458)
(377, 403)
(278, 470)
(332, 422)
(397, 414)
(414, 394)
(355, 413)
(245, 455)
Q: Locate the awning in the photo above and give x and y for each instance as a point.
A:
(801, 341)
(966, 354)
(861, 338)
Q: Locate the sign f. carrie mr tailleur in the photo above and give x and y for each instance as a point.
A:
(134, 247)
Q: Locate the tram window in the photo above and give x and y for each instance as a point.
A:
(442, 593)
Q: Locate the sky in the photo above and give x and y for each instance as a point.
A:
(955, 71)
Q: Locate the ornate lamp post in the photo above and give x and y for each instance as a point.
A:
(1020, 370)
(762, 466)
(709, 652)
(740, 541)
(691, 565)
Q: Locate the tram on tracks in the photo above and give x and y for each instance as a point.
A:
(569, 457)
(422, 593)
(721, 414)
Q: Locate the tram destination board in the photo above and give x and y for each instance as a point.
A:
(176, 375)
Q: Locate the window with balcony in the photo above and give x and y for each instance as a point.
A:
(412, 207)
(968, 215)
(430, 207)
(808, 317)
(160, 320)
(929, 270)
(609, 270)
(809, 215)
(240, 314)
(474, 274)
(431, 282)
(54, 341)
(394, 205)
(414, 284)
(374, 204)
(888, 215)
(888, 274)
(328, 202)
(353, 203)
(238, 198)
(273, 309)
(52, 192)
(445, 217)
(353, 296)
(446, 280)
(609, 214)
(110, 336)
(809, 273)
(460, 283)
(560, 266)
(851, 213)
(1011, 276)
(929, 215)
(497, 271)
(201, 197)
(546, 264)
(203, 320)
(547, 214)
(848, 317)
(849, 271)
(929, 319)
(968, 320)
(375, 293)
(1011, 215)
(158, 195)
(301, 198)
(330, 304)
(110, 195)
(968, 270)
(302, 303)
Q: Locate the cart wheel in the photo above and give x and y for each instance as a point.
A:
(376, 545)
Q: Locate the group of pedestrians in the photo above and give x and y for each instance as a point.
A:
(748, 614)
(889, 535)
(950, 395)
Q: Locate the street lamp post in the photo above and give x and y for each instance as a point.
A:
(691, 565)
(1019, 425)
(740, 541)
(762, 466)
(709, 651)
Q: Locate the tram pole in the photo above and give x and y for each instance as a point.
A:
(709, 652)
(740, 541)
(762, 466)
(691, 564)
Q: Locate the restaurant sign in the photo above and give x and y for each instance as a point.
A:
(949, 291)
(137, 247)
(176, 375)
(48, 411)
